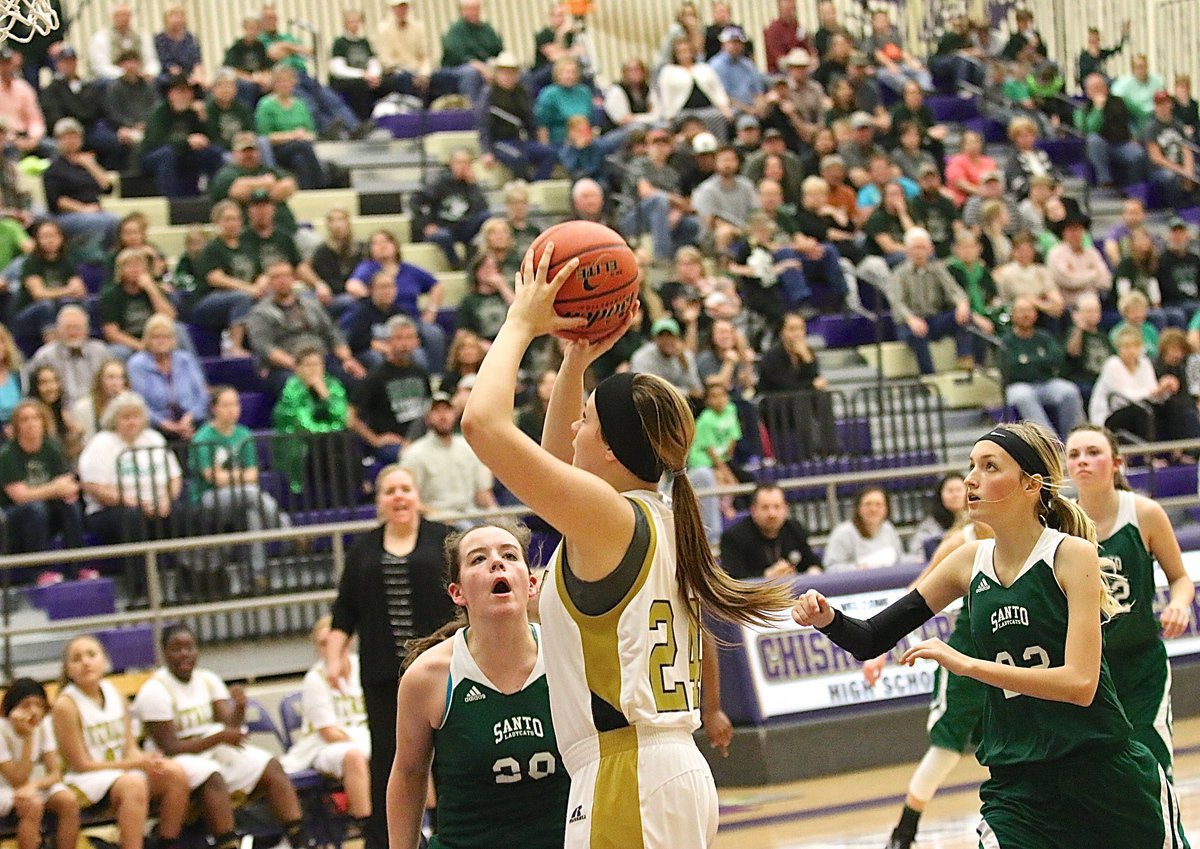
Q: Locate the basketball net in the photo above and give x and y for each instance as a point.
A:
(21, 20)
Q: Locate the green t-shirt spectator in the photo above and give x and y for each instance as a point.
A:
(238, 262)
(465, 42)
(129, 312)
(717, 431)
(12, 236)
(271, 116)
(249, 58)
(1032, 360)
(1149, 336)
(1086, 367)
(224, 123)
(213, 450)
(54, 273)
(36, 469)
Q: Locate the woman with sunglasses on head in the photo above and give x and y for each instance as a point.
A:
(1055, 737)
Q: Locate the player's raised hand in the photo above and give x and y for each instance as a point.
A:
(813, 609)
(534, 294)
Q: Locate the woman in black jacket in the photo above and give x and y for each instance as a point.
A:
(392, 590)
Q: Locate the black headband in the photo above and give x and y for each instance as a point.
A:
(622, 426)
(1028, 459)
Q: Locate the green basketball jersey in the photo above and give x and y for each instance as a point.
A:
(1137, 628)
(499, 777)
(1025, 624)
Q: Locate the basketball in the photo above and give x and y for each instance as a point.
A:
(604, 288)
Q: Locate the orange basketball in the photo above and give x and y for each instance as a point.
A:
(604, 288)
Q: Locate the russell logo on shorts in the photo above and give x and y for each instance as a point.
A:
(577, 815)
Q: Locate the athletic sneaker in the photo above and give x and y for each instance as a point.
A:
(899, 841)
(49, 578)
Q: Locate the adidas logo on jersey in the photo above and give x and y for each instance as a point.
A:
(577, 815)
(474, 695)
(983, 585)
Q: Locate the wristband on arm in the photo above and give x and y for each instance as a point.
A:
(870, 638)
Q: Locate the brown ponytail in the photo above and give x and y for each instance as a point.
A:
(702, 582)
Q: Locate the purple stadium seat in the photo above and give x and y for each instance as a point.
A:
(951, 108)
(447, 319)
(238, 372)
(130, 646)
(415, 124)
(1190, 214)
(991, 129)
(207, 342)
(1063, 152)
(93, 274)
(1189, 537)
(71, 599)
(1173, 481)
(1139, 191)
(256, 410)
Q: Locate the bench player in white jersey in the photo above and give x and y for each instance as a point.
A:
(623, 598)
(30, 770)
(94, 730)
(192, 717)
(334, 739)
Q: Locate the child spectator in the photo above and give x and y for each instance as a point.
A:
(972, 274)
(1134, 308)
(718, 430)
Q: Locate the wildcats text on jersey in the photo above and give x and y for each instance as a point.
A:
(518, 726)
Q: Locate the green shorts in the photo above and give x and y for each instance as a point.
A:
(1142, 679)
(956, 709)
(1098, 798)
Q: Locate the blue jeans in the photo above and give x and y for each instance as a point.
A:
(650, 215)
(817, 279)
(524, 157)
(895, 80)
(101, 226)
(710, 505)
(470, 81)
(940, 325)
(441, 82)
(300, 158)
(325, 104)
(462, 232)
(178, 172)
(1046, 402)
(33, 525)
(957, 69)
(1129, 157)
(220, 309)
(1170, 185)
(36, 317)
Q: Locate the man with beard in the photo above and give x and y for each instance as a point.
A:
(449, 476)
(390, 405)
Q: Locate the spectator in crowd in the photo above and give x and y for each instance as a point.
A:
(489, 292)
(227, 279)
(1134, 309)
(1172, 160)
(965, 170)
(1117, 239)
(86, 411)
(554, 41)
(127, 304)
(835, 61)
(19, 109)
(38, 493)
(73, 354)
(531, 417)
(1105, 120)
(409, 282)
(100, 754)
(405, 553)
(389, 407)
(958, 57)
(354, 71)
(176, 148)
(893, 64)
(335, 259)
(755, 165)
(974, 276)
(1031, 363)
(1093, 57)
(687, 25)
(450, 211)
(1138, 271)
(830, 26)
(334, 737)
(246, 173)
(930, 304)
(1027, 160)
(992, 190)
(225, 116)
(1137, 89)
(444, 468)
(49, 280)
(933, 209)
(1087, 346)
(588, 202)
(507, 131)
(1025, 44)
(311, 403)
(70, 96)
(46, 386)
(178, 51)
(687, 87)
(886, 226)
(466, 354)
(728, 357)
(629, 101)
(128, 102)
(1177, 416)
(1128, 394)
(288, 124)
(856, 152)
(992, 230)
(867, 96)
(1186, 110)
(466, 48)
(1179, 274)
(718, 430)
(790, 367)
(107, 45)
(667, 357)
(403, 52)
(170, 380)
(909, 156)
(656, 206)
(134, 233)
(868, 540)
(725, 200)
(947, 508)
(768, 543)
(363, 323)
(795, 103)
(1024, 277)
(248, 59)
(134, 500)
(737, 72)
(74, 183)
(1076, 267)
(330, 113)
(516, 209)
(282, 324)
(225, 478)
(565, 98)
(784, 34)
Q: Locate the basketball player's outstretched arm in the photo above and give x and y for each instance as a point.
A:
(580, 505)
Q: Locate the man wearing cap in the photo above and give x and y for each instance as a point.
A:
(1179, 274)
(992, 188)
(657, 206)
(70, 96)
(737, 72)
(107, 45)
(783, 35)
(1077, 267)
(934, 211)
(128, 100)
(857, 150)
(927, 304)
(1172, 160)
(177, 149)
(505, 122)
(449, 476)
(748, 136)
(19, 109)
(264, 240)
(466, 48)
(74, 183)
(666, 356)
(804, 104)
(867, 97)
(893, 64)
(702, 164)
(245, 174)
